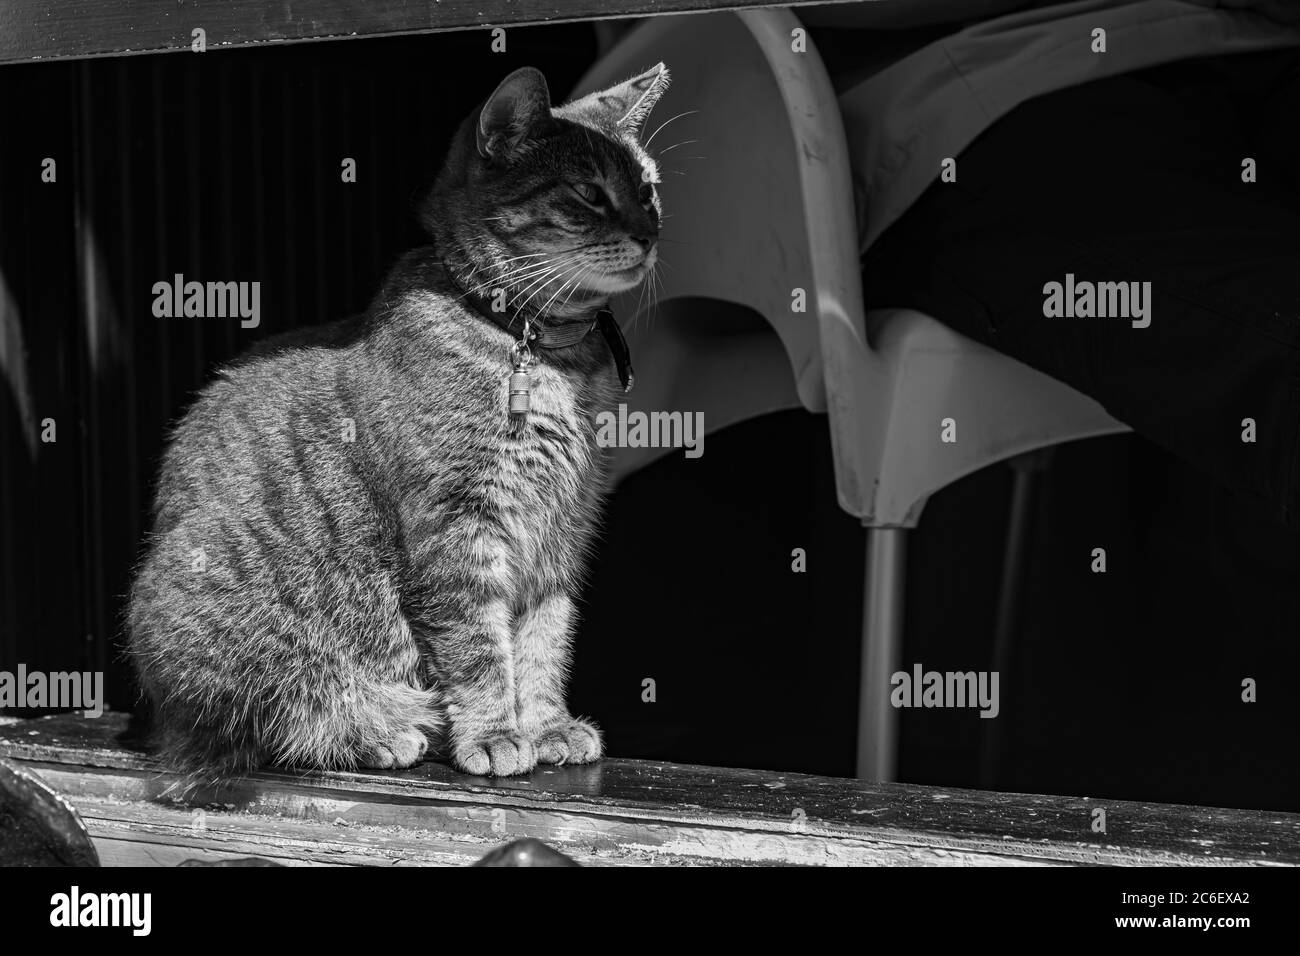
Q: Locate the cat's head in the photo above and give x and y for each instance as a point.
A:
(557, 205)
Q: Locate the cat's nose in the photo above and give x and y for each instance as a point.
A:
(645, 242)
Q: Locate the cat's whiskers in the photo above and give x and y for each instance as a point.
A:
(527, 255)
(528, 272)
(653, 281)
(646, 144)
(658, 291)
(519, 273)
(577, 280)
(636, 312)
(557, 263)
(497, 264)
(685, 142)
(577, 285)
(570, 263)
(544, 312)
(648, 286)
(559, 255)
(519, 301)
(521, 298)
(475, 289)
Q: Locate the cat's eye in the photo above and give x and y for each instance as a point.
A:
(590, 192)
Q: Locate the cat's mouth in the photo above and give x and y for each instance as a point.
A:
(620, 280)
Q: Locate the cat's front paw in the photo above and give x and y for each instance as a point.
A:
(498, 756)
(573, 741)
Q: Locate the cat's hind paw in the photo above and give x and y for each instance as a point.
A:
(576, 741)
(500, 756)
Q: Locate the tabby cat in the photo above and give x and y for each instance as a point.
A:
(358, 549)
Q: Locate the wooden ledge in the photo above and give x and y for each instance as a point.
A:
(618, 812)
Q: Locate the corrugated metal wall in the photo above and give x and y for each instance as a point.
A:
(222, 166)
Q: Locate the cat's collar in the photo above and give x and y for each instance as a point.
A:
(571, 333)
(564, 336)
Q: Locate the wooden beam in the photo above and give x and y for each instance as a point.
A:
(619, 812)
(73, 29)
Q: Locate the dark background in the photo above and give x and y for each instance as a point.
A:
(226, 165)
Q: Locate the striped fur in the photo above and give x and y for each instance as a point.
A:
(355, 549)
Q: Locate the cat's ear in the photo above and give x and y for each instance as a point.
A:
(520, 104)
(627, 104)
